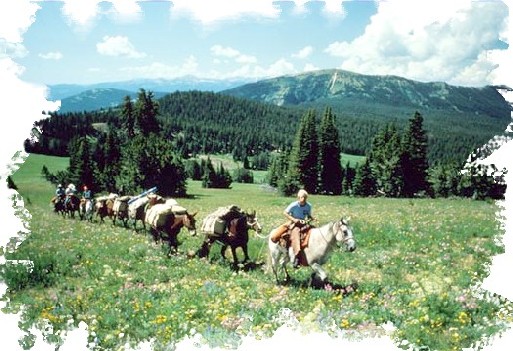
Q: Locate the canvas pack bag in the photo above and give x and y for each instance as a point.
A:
(215, 223)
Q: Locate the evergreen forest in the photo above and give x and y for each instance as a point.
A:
(150, 142)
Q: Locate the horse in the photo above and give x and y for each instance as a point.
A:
(86, 209)
(120, 209)
(104, 207)
(237, 236)
(166, 226)
(71, 205)
(321, 242)
(58, 204)
(137, 209)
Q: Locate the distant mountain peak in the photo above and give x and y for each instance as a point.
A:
(340, 87)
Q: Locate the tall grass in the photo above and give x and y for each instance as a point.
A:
(418, 264)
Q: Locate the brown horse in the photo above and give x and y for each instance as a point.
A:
(71, 205)
(58, 204)
(171, 226)
(137, 209)
(237, 236)
(103, 208)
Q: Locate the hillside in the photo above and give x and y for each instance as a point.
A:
(61, 91)
(263, 116)
(375, 93)
(98, 98)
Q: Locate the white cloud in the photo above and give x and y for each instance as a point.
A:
(435, 41)
(334, 8)
(231, 53)
(304, 52)
(81, 12)
(126, 10)
(12, 50)
(16, 16)
(55, 55)
(331, 8)
(310, 67)
(210, 12)
(118, 46)
(157, 70)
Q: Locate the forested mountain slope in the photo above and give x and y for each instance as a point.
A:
(457, 119)
(264, 116)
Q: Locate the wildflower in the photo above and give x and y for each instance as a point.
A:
(160, 319)
(344, 323)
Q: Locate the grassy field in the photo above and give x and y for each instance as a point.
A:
(259, 176)
(418, 264)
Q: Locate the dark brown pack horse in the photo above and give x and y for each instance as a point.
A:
(72, 205)
(58, 204)
(173, 224)
(237, 236)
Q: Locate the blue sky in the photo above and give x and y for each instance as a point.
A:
(86, 41)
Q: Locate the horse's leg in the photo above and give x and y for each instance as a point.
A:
(223, 251)
(319, 271)
(234, 254)
(245, 251)
(154, 233)
(173, 244)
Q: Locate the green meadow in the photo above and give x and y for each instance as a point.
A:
(418, 264)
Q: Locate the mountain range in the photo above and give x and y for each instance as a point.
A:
(457, 119)
(346, 92)
(343, 90)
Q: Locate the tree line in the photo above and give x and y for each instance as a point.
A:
(212, 123)
(396, 165)
(133, 148)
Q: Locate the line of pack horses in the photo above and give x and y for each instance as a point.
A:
(165, 219)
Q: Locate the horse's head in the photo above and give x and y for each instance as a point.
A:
(253, 222)
(344, 234)
(189, 222)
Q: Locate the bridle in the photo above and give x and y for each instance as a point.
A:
(253, 224)
(346, 238)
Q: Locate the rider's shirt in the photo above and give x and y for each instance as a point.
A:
(87, 194)
(299, 212)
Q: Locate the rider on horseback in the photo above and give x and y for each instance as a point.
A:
(86, 194)
(60, 192)
(298, 213)
(70, 191)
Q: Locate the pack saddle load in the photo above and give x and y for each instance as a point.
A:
(215, 223)
(158, 214)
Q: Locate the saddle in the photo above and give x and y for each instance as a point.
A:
(304, 236)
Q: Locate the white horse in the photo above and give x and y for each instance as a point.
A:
(320, 244)
(86, 209)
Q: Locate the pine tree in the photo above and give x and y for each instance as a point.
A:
(209, 174)
(81, 166)
(303, 169)
(128, 115)
(364, 183)
(414, 161)
(278, 169)
(111, 161)
(385, 161)
(149, 161)
(146, 111)
(330, 167)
